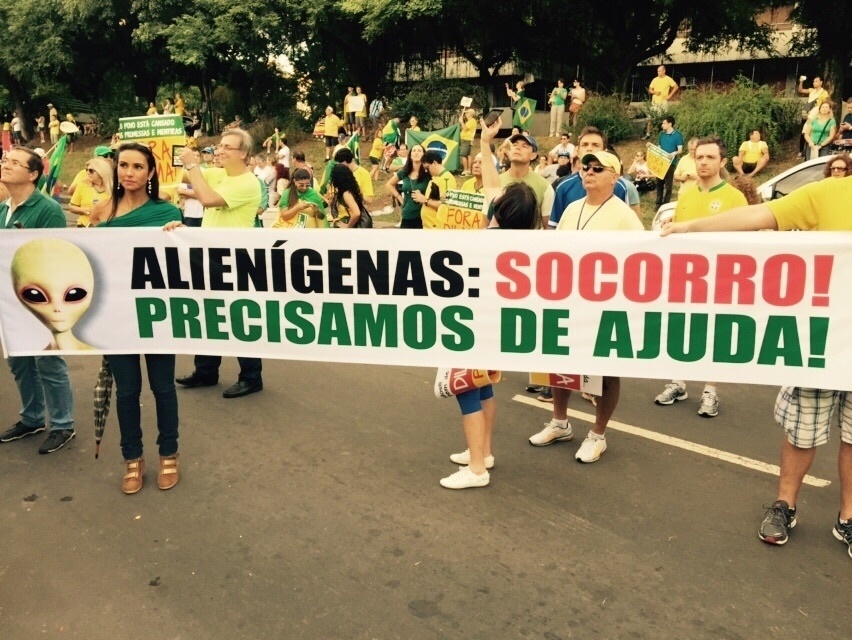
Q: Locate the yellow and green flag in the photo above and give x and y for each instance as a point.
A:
(444, 141)
(524, 114)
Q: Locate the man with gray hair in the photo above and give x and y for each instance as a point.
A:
(231, 196)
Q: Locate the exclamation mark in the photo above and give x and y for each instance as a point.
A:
(822, 280)
(819, 334)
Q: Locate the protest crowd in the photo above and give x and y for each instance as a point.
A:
(577, 185)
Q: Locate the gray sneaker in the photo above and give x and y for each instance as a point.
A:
(55, 440)
(671, 394)
(779, 519)
(709, 407)
(19, 431)
(843, 532)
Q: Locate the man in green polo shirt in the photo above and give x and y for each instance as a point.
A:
(231, 197)
(41, 380)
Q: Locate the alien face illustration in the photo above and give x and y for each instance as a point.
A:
(54, 280)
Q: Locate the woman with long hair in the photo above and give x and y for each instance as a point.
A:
(95, 189)
(578, 99)
(412, 177)
(135, 203)
(301, 205)
(347, 202)
(819, 132)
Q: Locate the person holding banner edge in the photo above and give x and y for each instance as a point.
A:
(803, 413)
(41, 380)
(135, 203)
(230, 200)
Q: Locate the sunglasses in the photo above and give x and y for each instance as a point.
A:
(843, 168)
(596, 168)
(90, 170)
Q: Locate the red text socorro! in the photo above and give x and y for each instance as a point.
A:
(780, 280)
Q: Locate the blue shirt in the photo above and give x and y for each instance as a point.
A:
(669, 142)
(570, 190)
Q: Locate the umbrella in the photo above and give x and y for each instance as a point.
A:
(102, 397)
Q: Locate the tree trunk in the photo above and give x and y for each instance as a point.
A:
(833, 77)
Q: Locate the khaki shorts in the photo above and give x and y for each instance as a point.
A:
(805, 415)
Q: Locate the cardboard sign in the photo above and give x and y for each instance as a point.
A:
(165, 136)
(572, 381)
(461, 210)
(466, 102)
(658, 161)
(452, 382)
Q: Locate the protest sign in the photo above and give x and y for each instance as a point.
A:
(571, 381)
(658, 161)
(764, 308)
(165, 136)
(461, 210)
(466, 102)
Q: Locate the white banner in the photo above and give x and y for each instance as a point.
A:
(764, 308)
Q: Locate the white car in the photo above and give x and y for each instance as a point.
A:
(781, 185)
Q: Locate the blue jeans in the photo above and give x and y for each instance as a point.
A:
(127, 371)
(43, 380)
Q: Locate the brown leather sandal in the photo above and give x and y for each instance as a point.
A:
(132, 481)
(169, 472)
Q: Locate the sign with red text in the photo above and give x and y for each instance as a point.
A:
(763, 308)
(165, 136)
(461, 210)
(658, 161)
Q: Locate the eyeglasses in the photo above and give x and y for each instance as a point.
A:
(843, 168)
(596, 168)
(90, 170)
(225, 147)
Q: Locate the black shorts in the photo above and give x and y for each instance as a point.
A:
(331, 141)
(374, 161)
(749, 167)
(350, 117)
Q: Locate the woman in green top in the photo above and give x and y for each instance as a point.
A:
(301, 206)
(414, 177)
(819, 132)
(135, 203)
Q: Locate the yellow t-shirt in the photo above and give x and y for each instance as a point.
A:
(468, 129)
(242, 198)
(663, 85)
(819, 206)
(753, 151)
(365, 182)
(179, 107)
(78, 179)
(436, 190)
(686, 166)
(700, 204)
(377, 149)
(470, 186)
(86, 196)
(53, 125)
(332, 124)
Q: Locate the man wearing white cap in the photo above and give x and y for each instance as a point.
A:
(599, 210)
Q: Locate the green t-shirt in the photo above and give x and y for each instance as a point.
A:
(154, 213)
(410, 208)
(559, 96)
(36, 212)
(242, 198)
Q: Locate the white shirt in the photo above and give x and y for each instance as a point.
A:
(16, 124)
(284, 156)
(563, 148)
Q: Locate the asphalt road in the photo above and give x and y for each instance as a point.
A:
(312, 511)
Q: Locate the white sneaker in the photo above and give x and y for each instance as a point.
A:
(464, 478)
(591, 449)
(709, 405)
(551, 433)
(464, 458)
(673, 392)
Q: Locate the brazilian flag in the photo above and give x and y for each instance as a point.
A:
(354, 145)
(445, 141)
(524, 114)
(48, 180)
